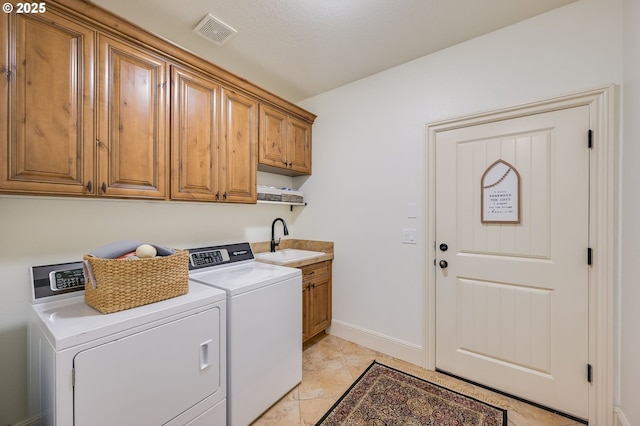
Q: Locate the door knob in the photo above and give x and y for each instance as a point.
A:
(444, 247)
(444, 264)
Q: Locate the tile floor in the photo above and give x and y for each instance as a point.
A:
(331, 365)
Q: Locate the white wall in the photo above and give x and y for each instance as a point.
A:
(369, 152)
(44, 230)
(629, 386)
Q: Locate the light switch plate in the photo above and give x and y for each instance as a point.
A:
(412, 211)
(409, 236)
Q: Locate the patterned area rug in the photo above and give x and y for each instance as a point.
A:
(385, 396)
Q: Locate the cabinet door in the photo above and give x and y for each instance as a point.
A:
(194, 143)
(320, 317)
(273, 137)
(299, 146)
(132, 114)
(46, 116)
(239, 139)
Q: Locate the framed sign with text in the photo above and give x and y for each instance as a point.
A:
(500, 194)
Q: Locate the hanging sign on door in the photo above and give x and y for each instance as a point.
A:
(500, 194)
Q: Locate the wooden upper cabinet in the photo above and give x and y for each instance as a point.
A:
(285, 143)
(87, 108)
(299, 146)
(47, 142)
(194, 136)
(273, 137)
(238, 146)
(132, 121)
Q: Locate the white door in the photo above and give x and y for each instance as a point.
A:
(151, 377)
(512, 298)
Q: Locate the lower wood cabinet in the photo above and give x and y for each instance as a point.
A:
(316, 299)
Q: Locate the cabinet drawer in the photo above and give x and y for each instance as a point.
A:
(312, 271)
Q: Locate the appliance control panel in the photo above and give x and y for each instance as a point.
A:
(211, 257)
(205, 257)
(64, 279)
(55, 281)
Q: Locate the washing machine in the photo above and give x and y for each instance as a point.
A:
(264, 326)
(159, 364)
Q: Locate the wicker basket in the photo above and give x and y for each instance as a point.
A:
(124, 284)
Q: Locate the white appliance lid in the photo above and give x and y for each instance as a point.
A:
(71, 321)
(244, 277)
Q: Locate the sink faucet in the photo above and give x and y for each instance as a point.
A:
(273, 241)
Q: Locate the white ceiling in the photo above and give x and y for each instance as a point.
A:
(300, 48)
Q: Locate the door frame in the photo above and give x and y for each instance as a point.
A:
(602, 225)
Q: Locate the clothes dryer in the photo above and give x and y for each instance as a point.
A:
(159, 364)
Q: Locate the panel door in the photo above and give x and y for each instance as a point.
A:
(299, 146)
(194, 144)
(47, 143)
(273, 137)
(320, 318)
(239, 142)
(132, 112)
(150, 377)
(512, 302)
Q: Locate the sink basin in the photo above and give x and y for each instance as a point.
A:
(285, 256)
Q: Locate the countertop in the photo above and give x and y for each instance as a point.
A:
(324, 246)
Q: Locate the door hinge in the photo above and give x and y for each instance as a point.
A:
(589, 256)
(590, 137)
(73, 377)
(589, 373)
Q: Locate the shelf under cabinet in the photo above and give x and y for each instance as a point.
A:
(285, 203)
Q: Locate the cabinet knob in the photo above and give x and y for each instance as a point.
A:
(104, 187)
(90, 186)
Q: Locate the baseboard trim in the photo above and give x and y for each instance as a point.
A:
(31, 421)
(387, 345)
(619, 419)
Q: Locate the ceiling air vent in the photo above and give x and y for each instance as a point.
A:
(214, 30)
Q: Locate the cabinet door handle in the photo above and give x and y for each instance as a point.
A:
(224, 196)
(104, 187)
(90, 186)
(217, 195)
(204, 355)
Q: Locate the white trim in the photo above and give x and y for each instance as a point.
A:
(388, 345)
(602, 226)
(31, 421)
(619, 418)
